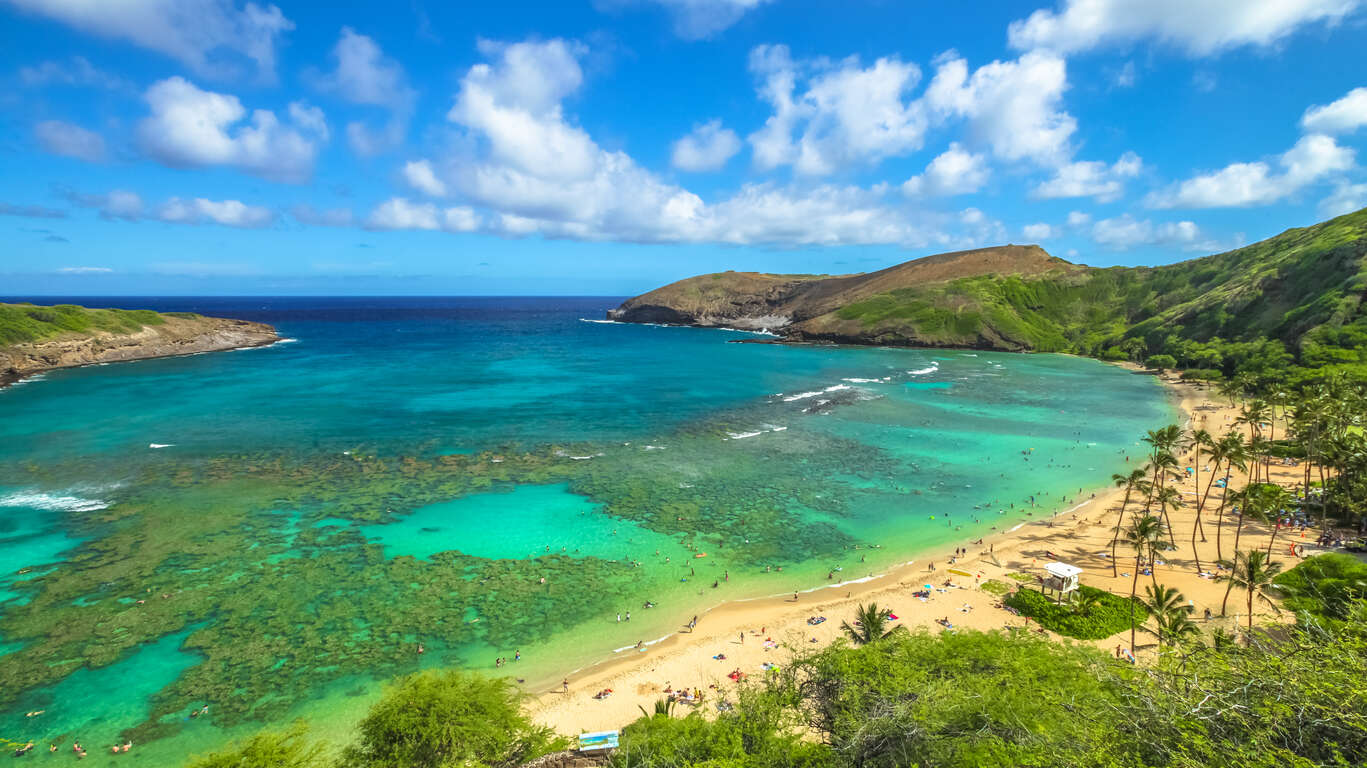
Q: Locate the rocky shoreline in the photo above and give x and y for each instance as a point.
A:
(176, 336)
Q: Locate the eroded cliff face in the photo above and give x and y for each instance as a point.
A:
(177, 336)
(809, 307)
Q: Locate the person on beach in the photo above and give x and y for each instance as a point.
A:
(565, 686)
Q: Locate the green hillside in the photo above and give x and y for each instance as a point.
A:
(21, 323)
(1292, 303)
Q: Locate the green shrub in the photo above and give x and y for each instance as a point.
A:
(1109, 616)
(1326, 587)
(268, 749)
(996, 587)
(1202, 374)
(438, 719)
(958, 699)
(21, 323)
(1161, 362)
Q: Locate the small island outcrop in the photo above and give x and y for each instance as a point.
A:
(36, 338)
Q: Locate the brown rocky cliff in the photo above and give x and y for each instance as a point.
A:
(176, 336)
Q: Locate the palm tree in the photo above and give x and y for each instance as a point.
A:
(1201, 441)
(1255, 501)
(663, 707)
(1278, 499)
(1145, 536)
(1134, 481)
(1236, 457)
(1086, 602)
(1252, 572)
(1178, 627)
(1232, 389)
(1171, 613)
(1253, 414)
(1169, 498)
(870, 622)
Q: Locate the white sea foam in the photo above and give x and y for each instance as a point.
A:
(923, 371)
(883, 380)
(654, 448)
(805, 395)
(743, 435)
(52, 502)
(647, 643)
(160, 445)
(760, 332)
(763, 428)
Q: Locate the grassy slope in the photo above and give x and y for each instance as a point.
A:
(1302, 288)
(20, 323)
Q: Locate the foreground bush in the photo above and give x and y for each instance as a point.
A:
(966, 699)
(442, 719)
(754, 735)
(1326, 587)
(269, 749)
(1107, 615)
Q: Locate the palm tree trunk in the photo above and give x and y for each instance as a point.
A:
(1197, 488)
(1220, 521)
(1225, 603)
(1250, 608)
(1276, 526)
(1116, 537)
(1134, 589)
(1194, 553)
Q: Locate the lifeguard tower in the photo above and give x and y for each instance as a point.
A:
(1062, 580)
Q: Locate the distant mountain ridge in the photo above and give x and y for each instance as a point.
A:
(37, 338)
(1293, 300)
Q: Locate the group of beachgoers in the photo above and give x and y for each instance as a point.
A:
(76, 749)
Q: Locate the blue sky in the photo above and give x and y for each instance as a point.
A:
(604, 147)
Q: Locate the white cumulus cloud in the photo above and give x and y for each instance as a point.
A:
(846, 114)
(697, 19)
(1313, 158)
(1014, 107)
(525, 167)
(190, 128)
(229, 213)
(1199, 27)
(400, 213)
(1345, 198)
(420, 176)
(1038, 232)
(69, 140)
(1090, 178)
(954, 172)
(211, 37)
(363, 74)
(1343, 116)
(1125, 232)
(706, 148)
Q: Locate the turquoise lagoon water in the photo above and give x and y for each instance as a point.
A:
(273, 532)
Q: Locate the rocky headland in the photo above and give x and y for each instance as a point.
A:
(1298, 296)
(163, 335)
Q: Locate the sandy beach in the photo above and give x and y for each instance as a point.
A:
(750, 634)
